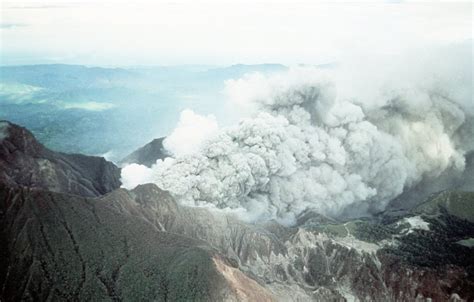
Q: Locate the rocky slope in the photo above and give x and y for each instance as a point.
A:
(68, 248)
(62, 239)
(26, 162)
(388, 259)
(142, 245)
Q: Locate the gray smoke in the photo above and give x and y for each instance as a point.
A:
(309, 142)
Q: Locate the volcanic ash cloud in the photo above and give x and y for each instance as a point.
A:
(303, 147)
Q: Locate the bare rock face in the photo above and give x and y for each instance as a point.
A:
(25, 162)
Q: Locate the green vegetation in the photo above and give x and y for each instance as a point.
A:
(459, 204)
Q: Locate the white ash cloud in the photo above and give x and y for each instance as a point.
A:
(135, 174)
(308, 143)
(190, 134)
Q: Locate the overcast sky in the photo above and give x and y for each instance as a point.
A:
(223, 32)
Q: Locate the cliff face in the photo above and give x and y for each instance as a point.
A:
(142, 245)
(25, 162)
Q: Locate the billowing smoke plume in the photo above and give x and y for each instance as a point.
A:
(311, 143)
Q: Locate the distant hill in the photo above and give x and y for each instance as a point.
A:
(146, 155)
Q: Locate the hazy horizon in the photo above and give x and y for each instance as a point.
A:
(184, 32)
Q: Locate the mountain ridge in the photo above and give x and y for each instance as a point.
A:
(26, 162)
(80, 243)
(273, 262)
